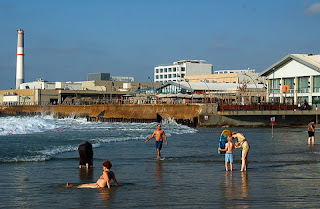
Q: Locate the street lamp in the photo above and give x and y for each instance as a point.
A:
(253, 82)
(205, 82)
(104, 94)
(152, 84)
(186, 80)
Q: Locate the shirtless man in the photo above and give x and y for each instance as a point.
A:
(159, 139)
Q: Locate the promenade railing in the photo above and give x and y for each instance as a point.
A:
(222, 105)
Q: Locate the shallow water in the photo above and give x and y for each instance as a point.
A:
(37, 160)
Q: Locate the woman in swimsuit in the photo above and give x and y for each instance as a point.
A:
(104, 179)
(242, 142)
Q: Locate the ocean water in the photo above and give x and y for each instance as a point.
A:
(38, 155)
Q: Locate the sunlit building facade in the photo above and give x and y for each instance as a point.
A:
(178, 70)
(301, 75)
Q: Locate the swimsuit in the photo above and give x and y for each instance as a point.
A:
(310, 133)
(246, 148)
(229, 157)
(159, 145)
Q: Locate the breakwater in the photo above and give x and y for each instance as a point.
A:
(202, 115)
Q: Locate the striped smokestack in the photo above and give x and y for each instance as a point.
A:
(20, 59)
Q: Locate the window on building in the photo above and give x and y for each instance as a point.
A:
(316, 84)
(315, 100)
(161, 70)
(182, 75)
(170, 75)
(157, 70)
(303, 85)
(157, 77)
(174, 75)
(290, 83)
(183, 69)
(169, 70)
(161, 76)
(174, 69)
(165, 70)
(274, 86)
(165, 76)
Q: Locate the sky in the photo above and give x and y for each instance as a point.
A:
(67, 39)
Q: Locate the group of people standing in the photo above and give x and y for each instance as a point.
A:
(86, 154)
(241, 143)
(86, 158)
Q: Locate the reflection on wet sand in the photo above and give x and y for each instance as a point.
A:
(235, 192)
(244, 185)
(86, 174)
(159, 173)
(105, 194)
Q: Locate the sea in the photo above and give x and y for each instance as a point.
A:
(38, 156)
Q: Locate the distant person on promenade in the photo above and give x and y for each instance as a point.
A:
(159, 134)
(103, 181)
(86, 154)
(311, 131)
(229, 153)
(242, 143)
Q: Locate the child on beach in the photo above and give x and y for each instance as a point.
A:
(229, 155)
(242, 142)
(104, 179)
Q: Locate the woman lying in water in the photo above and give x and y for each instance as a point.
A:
(103, 181)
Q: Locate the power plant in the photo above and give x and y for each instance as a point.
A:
(20, 59)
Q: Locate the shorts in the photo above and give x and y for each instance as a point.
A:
(311, 133)
(159, 145)
(229, 157)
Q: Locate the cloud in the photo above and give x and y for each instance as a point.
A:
(314, 9)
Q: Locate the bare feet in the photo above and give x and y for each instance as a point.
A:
(68, 184)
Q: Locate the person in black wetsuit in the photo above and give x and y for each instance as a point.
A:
(86, 154)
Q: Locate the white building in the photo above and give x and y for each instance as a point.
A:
(300, 74)
(178, 70)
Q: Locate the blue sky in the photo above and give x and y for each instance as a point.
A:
(67, 39)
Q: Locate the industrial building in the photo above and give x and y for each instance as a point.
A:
(294, 79)
(108, 77)
(178, 70)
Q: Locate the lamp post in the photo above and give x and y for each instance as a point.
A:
(253, 82)
(186, 80)
(104, 95)
(152, 84)
(205, 82)
(273, 85)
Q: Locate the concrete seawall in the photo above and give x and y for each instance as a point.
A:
(188, 114)
(202, 115)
